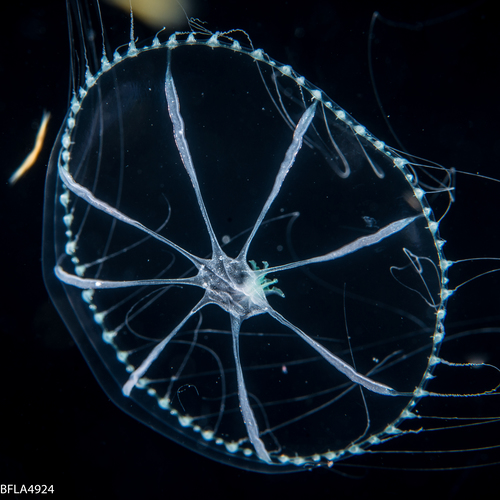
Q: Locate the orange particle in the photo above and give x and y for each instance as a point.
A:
(31, 158)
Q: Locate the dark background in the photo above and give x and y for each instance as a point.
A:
(435, 71)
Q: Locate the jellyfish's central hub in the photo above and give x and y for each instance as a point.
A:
(236, 287)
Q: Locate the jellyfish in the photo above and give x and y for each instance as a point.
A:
(245, 267)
